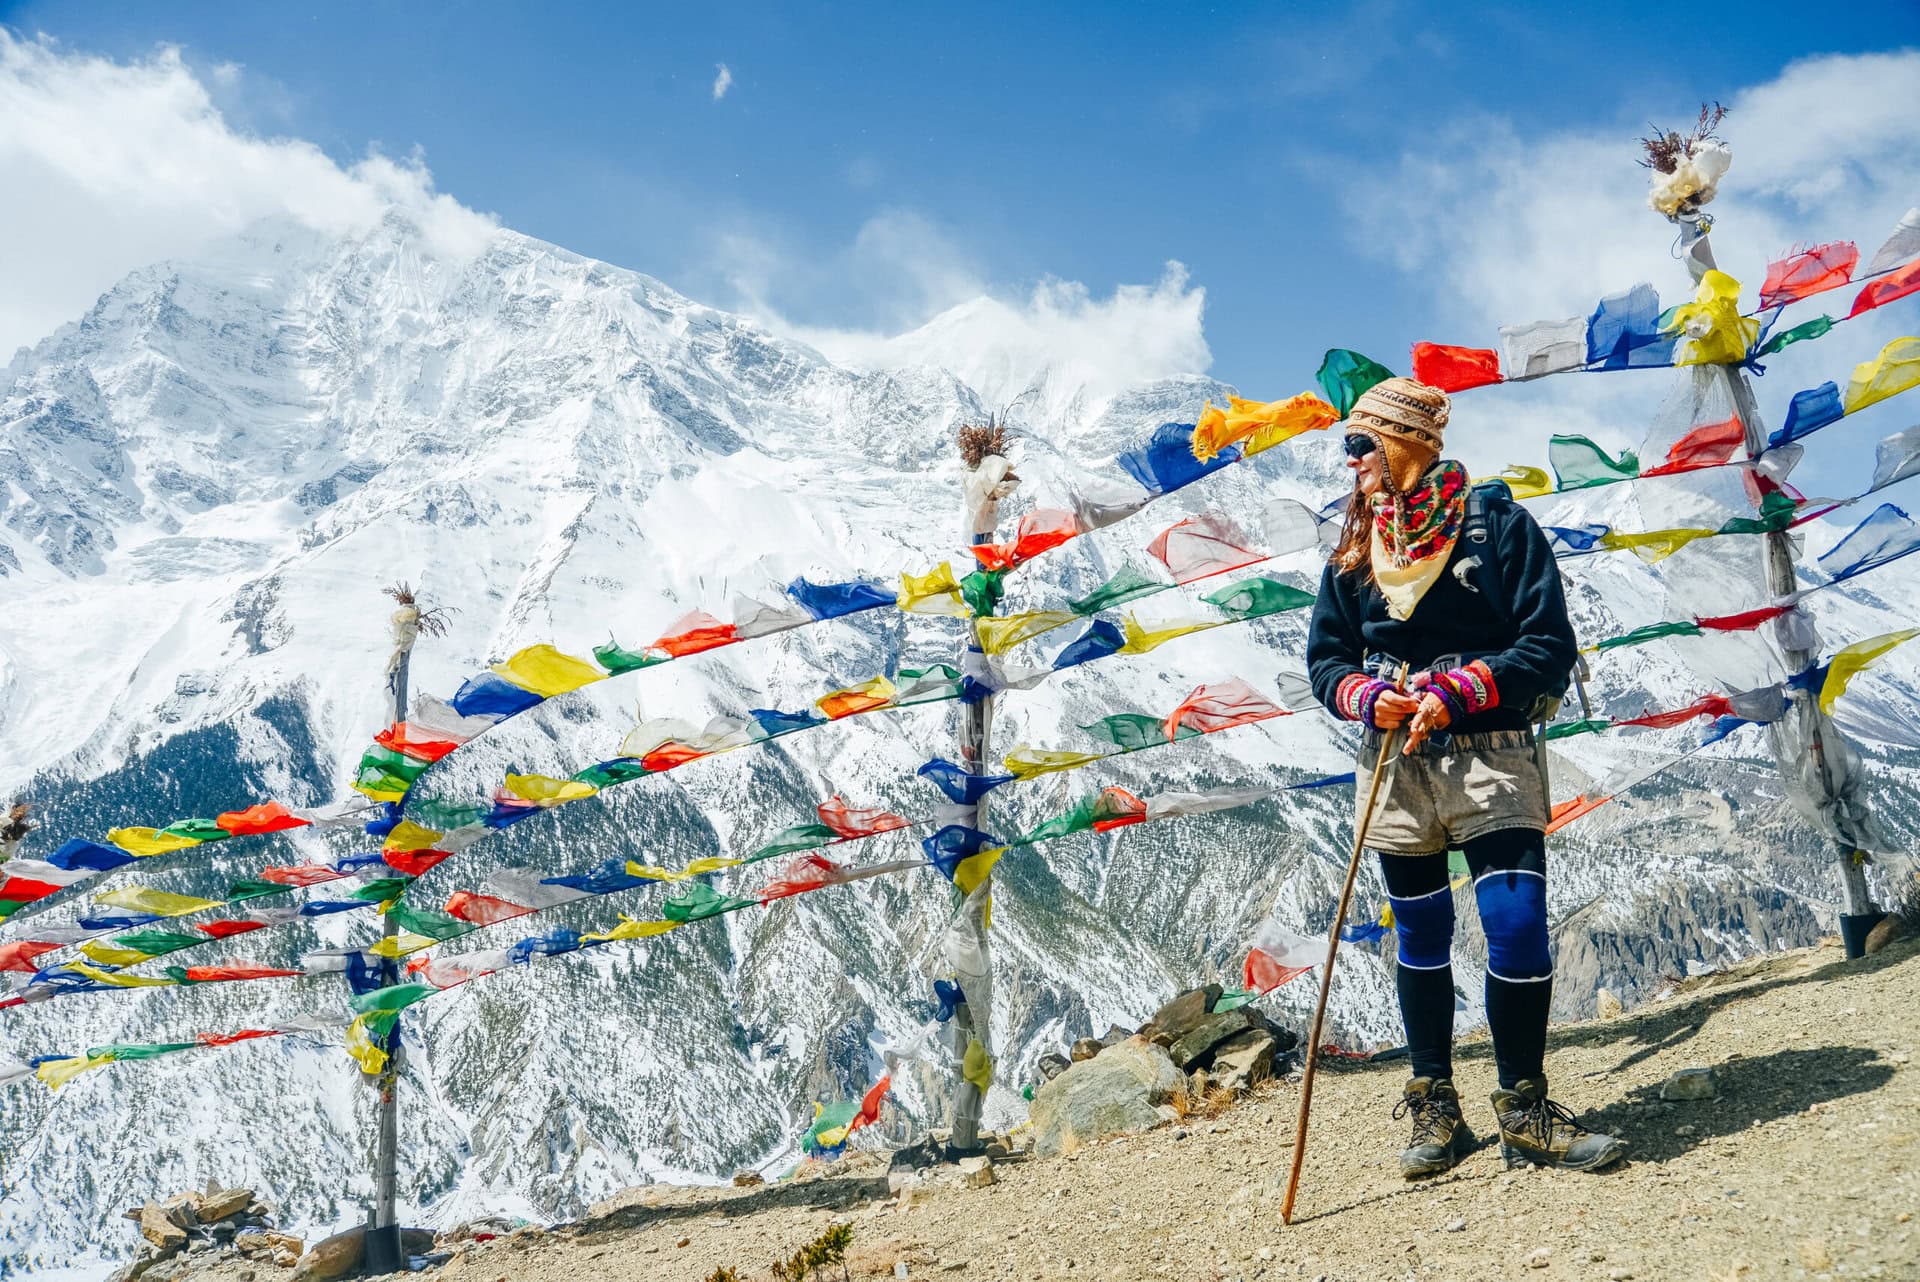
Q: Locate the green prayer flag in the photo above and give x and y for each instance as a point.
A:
(699, 901)
(1457, 863)
(251, 889)
(1652, 632)
(394, 763)
(832, 1118)
(430, 922)
(393, 999)
(1580, 464)
(1079, 819)
(1568, 729)
(609, 773)
(1131, 731)
(382, 889)
(615, 660)
(1256, 597)
(1345, 375)
(1777, 512)
(798, 837)
(1799, 333)
(442, 815)
(982, 591)
(1232, 999)
(1129, 583)
(155, 943)
(121, 1051)
(198, 829)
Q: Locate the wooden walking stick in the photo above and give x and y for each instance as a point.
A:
(1326, 975)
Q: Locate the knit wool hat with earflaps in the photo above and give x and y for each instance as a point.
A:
(1407, 420)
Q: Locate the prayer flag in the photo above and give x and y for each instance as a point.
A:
(547, 672)
(1256, 425)
(1001, 633)
(694, 632)
(1219, 706)
(865, 697)
(1345, 375)
(1455, 369)
(1712, 330)
(1101, 638)
(1256, 598)
(1543, 347)
(1808, 271)
(832, 600)
(1880, 292)
(1815, 328)
(1894, 370)
(1808, 412)
(1886, 535)
(1127, 584)
(1848, 662)
(1578, 463)
(936, 592)
(1166, 462)
(1624, 331)
(1903, 244)
(1201, 546)
(1708, 445)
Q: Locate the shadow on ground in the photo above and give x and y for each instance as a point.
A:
(826, 1194)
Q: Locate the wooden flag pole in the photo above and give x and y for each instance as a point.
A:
(1326, 974)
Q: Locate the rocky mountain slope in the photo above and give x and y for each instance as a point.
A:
(212, 473)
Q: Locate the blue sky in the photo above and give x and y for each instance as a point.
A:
(870, 165)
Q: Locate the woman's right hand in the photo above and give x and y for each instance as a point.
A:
(1393, 708)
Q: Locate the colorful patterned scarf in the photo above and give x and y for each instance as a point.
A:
(1413, 535)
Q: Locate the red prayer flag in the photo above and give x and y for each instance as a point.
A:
(19, 956)
(1746, 621)
(1706, 446)
(1568, 811)
(870, 1104)
(1808, 272)
(1263, 974)
(693, 632)
(414, 862)
(22, 891)
(268, 816)
(301, 875)
(1221, 705)
(847, 703)
(1455, 369)
(808, 872)
(228, 1039)
(399, 738)
(483, 910)
(237, 971)
(1116, 808)
(1713, 705)
(848, 823)
(1039, 530)
(670, 754)
(1201, 546)
(228, 929)
(1887, 288)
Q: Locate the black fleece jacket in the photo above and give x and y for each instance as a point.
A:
(1529, 645)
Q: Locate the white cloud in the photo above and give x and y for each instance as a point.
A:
(722, 81)
(117, 165)
(1502, 225)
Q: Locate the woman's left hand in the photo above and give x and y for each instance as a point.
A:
(1432, 715)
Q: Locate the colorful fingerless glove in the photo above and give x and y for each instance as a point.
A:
(1355, 696)
(1465, 691)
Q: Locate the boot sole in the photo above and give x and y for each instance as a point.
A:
(1518, 1158)
(1418, 1168)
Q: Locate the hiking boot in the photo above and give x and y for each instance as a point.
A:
(1440, 1134)
(1536, 1131)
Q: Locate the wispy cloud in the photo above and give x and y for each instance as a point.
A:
(124, 164)
(722, 81)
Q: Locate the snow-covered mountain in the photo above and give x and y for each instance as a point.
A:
(211, 475)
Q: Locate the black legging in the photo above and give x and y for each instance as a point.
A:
(1509, 871)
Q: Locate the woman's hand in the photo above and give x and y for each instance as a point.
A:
(1393, 708)
(1430, 714)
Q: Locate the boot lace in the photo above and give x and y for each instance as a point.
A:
(1543, 1117)
(1430, 1117)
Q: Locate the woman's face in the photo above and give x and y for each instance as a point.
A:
(1366, 471)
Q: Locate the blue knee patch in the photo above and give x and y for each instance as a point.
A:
(1425, 928)
(1513, 912)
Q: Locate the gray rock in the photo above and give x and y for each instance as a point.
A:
(1177, 1018)
(1119, 1092)
(1115, 1035)
(1052, 1064)
(1194, 1048)
(1691, 1084)
(1891, 927)
(1244, 1060)
(977, 1172)
(1085, 1049)
(1607, 1006)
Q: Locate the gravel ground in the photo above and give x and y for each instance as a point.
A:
(1805, 1166)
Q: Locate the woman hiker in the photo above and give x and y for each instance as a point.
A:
(1481, 624)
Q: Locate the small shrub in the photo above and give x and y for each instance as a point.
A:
(825, 1251)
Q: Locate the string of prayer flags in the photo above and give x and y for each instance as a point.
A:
(1808, 271)
(1851, 660)
(1896, 369)
(1455, 369)
(1347, 375)
(1255, 426)
(1712, 331)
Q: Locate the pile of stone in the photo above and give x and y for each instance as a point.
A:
(1189, 1055)
(215, 1221)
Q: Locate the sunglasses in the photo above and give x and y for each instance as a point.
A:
(1359, 445)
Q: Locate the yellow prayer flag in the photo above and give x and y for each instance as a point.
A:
(544, 790)
(1139, 640)
(114, 979)
(143, 899)
(1653, 545)
(1525, 482)
(653, 872)
(1712, 330)
(149, 841)
(1027, 763)
(936, 592)
(1894, 370)
(865, 697)
(1002, 633)
(629, 928)
(971, 871)
(378, 792)
(976, 1067)
(108, 955)
(712, 863)
(58, 1072)
(361, 1046)
(1261, 424)
(408, 835)
(545, 671)
(1849, 661)
(400, 945)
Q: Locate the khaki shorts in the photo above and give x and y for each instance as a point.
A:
(1434, 801)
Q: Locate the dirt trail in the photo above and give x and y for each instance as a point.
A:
(1806, 1166)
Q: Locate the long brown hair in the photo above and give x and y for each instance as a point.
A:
(1354, 551)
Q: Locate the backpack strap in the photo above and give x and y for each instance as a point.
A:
(1478, 567)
